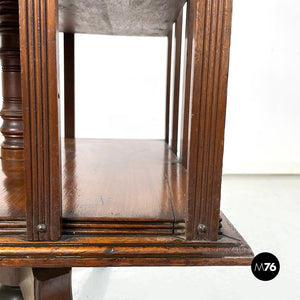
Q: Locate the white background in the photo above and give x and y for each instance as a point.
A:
(120, 87)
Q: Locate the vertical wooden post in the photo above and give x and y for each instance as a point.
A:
(12, 149)
(38, 42)
(178, 34)
(69, 83)
(186, 103)
(169, 64)
(211, 25)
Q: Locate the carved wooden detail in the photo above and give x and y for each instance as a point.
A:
(211, 25)
(12, 128)
(38, 39)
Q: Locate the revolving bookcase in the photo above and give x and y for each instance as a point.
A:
(97, 202)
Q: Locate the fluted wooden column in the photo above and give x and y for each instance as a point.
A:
(12, 148)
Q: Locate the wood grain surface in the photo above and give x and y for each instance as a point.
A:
(211, 26)
(229, 249)
(109, 187)
(12, 196)
(40, 97)
(12, 148)
(121, 179)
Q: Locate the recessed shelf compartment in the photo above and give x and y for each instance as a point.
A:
(125, 195)
(122, 187)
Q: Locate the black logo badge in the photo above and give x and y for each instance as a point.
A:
(265, 266)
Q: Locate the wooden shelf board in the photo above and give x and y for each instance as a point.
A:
(138, 220)
(122, 180)
(109, 185)
(140, 18)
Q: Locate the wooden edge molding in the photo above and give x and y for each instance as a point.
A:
(229, 249)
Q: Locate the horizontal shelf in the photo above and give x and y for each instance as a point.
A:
(123, 205)
(140, 18)
(109, 187)
(122, 186)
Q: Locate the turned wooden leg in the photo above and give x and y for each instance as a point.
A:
(12, 149)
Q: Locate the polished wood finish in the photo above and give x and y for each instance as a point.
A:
(69, 80)
(229, 249)
(118, 202)
(141, 18)
(178, 35)
(187, 84)
(150, 198)
(12, 149)
(211, 21)
(38, 39)
(168, 90)
(150, 184)
(12, 199)
(140, 169)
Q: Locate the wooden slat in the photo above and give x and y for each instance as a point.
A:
(73, 227)
(169, 64)
(38, 40)
(210, 49)
(187, 83)
(178, 34)
(69, 84)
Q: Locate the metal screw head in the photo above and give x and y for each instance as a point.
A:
(201, 228)
(41, 228)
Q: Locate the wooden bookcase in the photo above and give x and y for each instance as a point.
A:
(87, 202)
